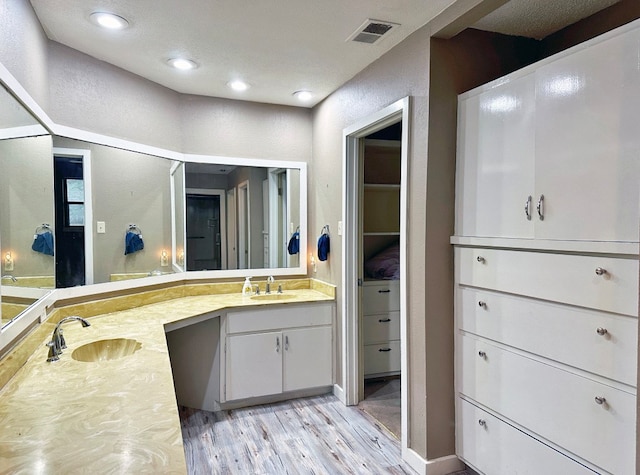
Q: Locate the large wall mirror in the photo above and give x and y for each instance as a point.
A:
(25, 196)
(75, 213)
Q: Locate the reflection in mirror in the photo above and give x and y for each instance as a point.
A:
(177, 215)
(25, 199)
(239, 217)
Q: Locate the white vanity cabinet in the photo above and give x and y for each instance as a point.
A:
(551, 152)
(276, 349)
(546, 303)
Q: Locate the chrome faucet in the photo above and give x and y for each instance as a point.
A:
(270, 280)
(57, 343)
(13, 279)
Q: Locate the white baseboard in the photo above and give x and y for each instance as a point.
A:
(439, 466)
(339, 393)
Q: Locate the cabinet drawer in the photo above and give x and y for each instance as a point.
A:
(286, 316)
(382, 358)
(562, 278)
(381, 297)
(492, 446)
(381, 327)
(566, 334)
(552, 402)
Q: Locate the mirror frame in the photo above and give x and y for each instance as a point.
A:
(37, 312)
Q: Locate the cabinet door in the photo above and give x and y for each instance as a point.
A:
(254, 365)
(587, 142)
(307, 358)
(495, 160)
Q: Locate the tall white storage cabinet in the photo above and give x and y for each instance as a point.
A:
(547, 219)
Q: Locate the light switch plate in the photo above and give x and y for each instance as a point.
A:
(339, 228)
(101, 227)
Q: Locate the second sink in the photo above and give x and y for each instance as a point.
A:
(103, 350)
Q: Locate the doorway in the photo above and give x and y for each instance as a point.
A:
(355, 250)
(206, 249)
(73, 212)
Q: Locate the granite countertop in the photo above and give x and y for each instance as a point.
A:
(117, 416)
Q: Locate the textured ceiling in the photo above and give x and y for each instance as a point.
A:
(279, 47)
(539, 18)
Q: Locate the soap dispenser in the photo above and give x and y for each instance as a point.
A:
(246, 288)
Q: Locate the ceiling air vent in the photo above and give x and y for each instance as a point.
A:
(371, 31)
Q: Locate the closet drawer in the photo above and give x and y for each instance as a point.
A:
(602, 283)
(381, 327)
(382, 358)
(556, 404)
(601, 343)
(491, 446)
(380, 297)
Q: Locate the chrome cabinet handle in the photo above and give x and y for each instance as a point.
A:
(384, 349)
(601, 331)
(600, 271)
(600, 400)
(482, 423)
(527, 208)
(480, 259)
(482, 304)
(540, 207)
(277, 344)
(286, 342)
(384, 320)
(482, 354)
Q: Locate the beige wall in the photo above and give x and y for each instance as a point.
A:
(26, 201)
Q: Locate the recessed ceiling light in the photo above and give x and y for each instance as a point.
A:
(182, 64)
(303, 96)
(238, 85)
(109, 20)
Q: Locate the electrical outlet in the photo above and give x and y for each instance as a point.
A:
(339, 228)
(101, 227)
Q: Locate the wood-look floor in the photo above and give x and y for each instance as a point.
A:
(317, 435)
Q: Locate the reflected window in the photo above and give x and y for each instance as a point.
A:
(74, 202)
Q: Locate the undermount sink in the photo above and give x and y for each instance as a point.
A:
(272, 297)
(103, 350)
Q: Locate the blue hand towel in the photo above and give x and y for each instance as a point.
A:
(294, 243)
(323, 247)
(132, 243)
(43, 243)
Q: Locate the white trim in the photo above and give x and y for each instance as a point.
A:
(23, 131)
(439, 466)
(174, 245)
(351, 365)
(244, 225)
(339, 393)
(88, 204)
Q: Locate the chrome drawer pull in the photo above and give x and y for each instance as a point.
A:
(384, 291)
(482, 304)
(540, 207)
(600, 400)
(482, 423)
(600, 271)
(482, 354)
(601, 331)
(480, 259)
(384, 349)
(384, 320)
(527, 208)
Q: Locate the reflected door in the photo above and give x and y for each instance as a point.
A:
(204, 243)
(69, 216)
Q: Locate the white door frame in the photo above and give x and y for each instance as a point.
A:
(352, 370)
(85, 155)
(244, 225)
(232, 229)
(278, 234)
